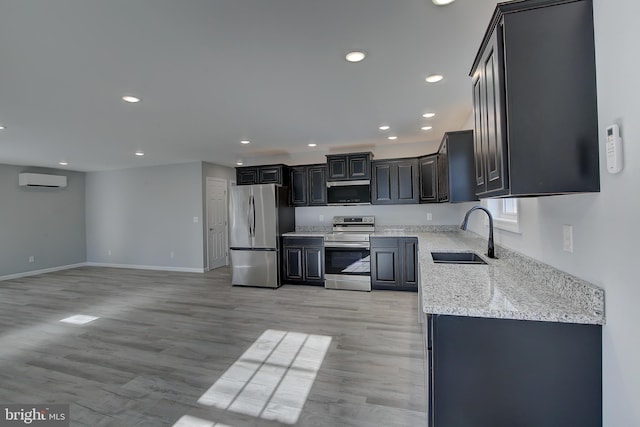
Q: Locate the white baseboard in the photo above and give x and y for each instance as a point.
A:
(146, 267)
(101, 264)
(44, 270)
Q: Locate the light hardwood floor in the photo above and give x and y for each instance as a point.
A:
(162, 339)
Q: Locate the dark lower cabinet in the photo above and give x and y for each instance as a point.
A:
(394, 263)
(303, 260)
(394, 182)
(487, 372)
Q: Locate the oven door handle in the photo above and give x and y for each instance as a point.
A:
(365, 245)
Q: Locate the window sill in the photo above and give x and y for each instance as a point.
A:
(507, 225)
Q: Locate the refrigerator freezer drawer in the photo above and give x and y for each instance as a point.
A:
(254, 268)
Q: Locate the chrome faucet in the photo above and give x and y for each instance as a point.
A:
(491, 251)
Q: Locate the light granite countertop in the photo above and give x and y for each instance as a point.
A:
(511, 287)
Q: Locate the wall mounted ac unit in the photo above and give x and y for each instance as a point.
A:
(41, 180)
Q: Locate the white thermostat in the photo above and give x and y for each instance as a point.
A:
(614, 149)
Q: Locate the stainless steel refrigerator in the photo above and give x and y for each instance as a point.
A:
(259, 215)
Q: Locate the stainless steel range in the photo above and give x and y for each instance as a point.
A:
(347, 253)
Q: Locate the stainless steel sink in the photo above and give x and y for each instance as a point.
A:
(457, 258)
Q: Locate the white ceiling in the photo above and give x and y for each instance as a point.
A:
(213, 72)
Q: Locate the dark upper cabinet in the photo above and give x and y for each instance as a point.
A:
(456, 181)
(308, 185)
(428, 170)
(349, 167)
(303, 260)
(268, 174)
(394, 263)
(247, 176)
(534, 99)
(317, 185)
(298, 186)
(394, 181)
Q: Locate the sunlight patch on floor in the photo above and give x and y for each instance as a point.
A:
(79, 319)
(273, 378)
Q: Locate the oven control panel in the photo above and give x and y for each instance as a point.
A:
(369, 220)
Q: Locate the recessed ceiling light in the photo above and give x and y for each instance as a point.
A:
(355, 56)
(130, 99)
(426, 127)
(442, 2)
(245, 141)
(139, 153)
(239, 163)
(312, 144)
(384, 127)
(434, 78)
(2, 127)
(428, 115)
(393, 137)
(63, 163)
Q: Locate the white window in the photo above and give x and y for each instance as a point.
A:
(506, 213)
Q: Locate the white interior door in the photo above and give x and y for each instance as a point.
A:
(217, 227)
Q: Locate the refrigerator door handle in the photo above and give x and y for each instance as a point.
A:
(249, 216)
(254, 215)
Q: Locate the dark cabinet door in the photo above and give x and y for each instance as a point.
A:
(337, 168)
(314, 263)
(409, 257)
(385, 255)
(443, 173)
(494, 148)
(428, 178)
(298, 186)
(246, 176)
(408, 181)
(488, 101)
(293, 263)
(317, 184)
(382, 183)
(270, 175)
(359, 166)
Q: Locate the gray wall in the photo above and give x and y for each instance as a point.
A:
(143, 214)
(48, 224)
(442, 214)
(605, 224)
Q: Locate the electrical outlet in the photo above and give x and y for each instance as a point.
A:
(195, 219)
(429, 216)
(171, 254)
(321, 218)
(109, 252)
(32, 259)
(567, 238)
